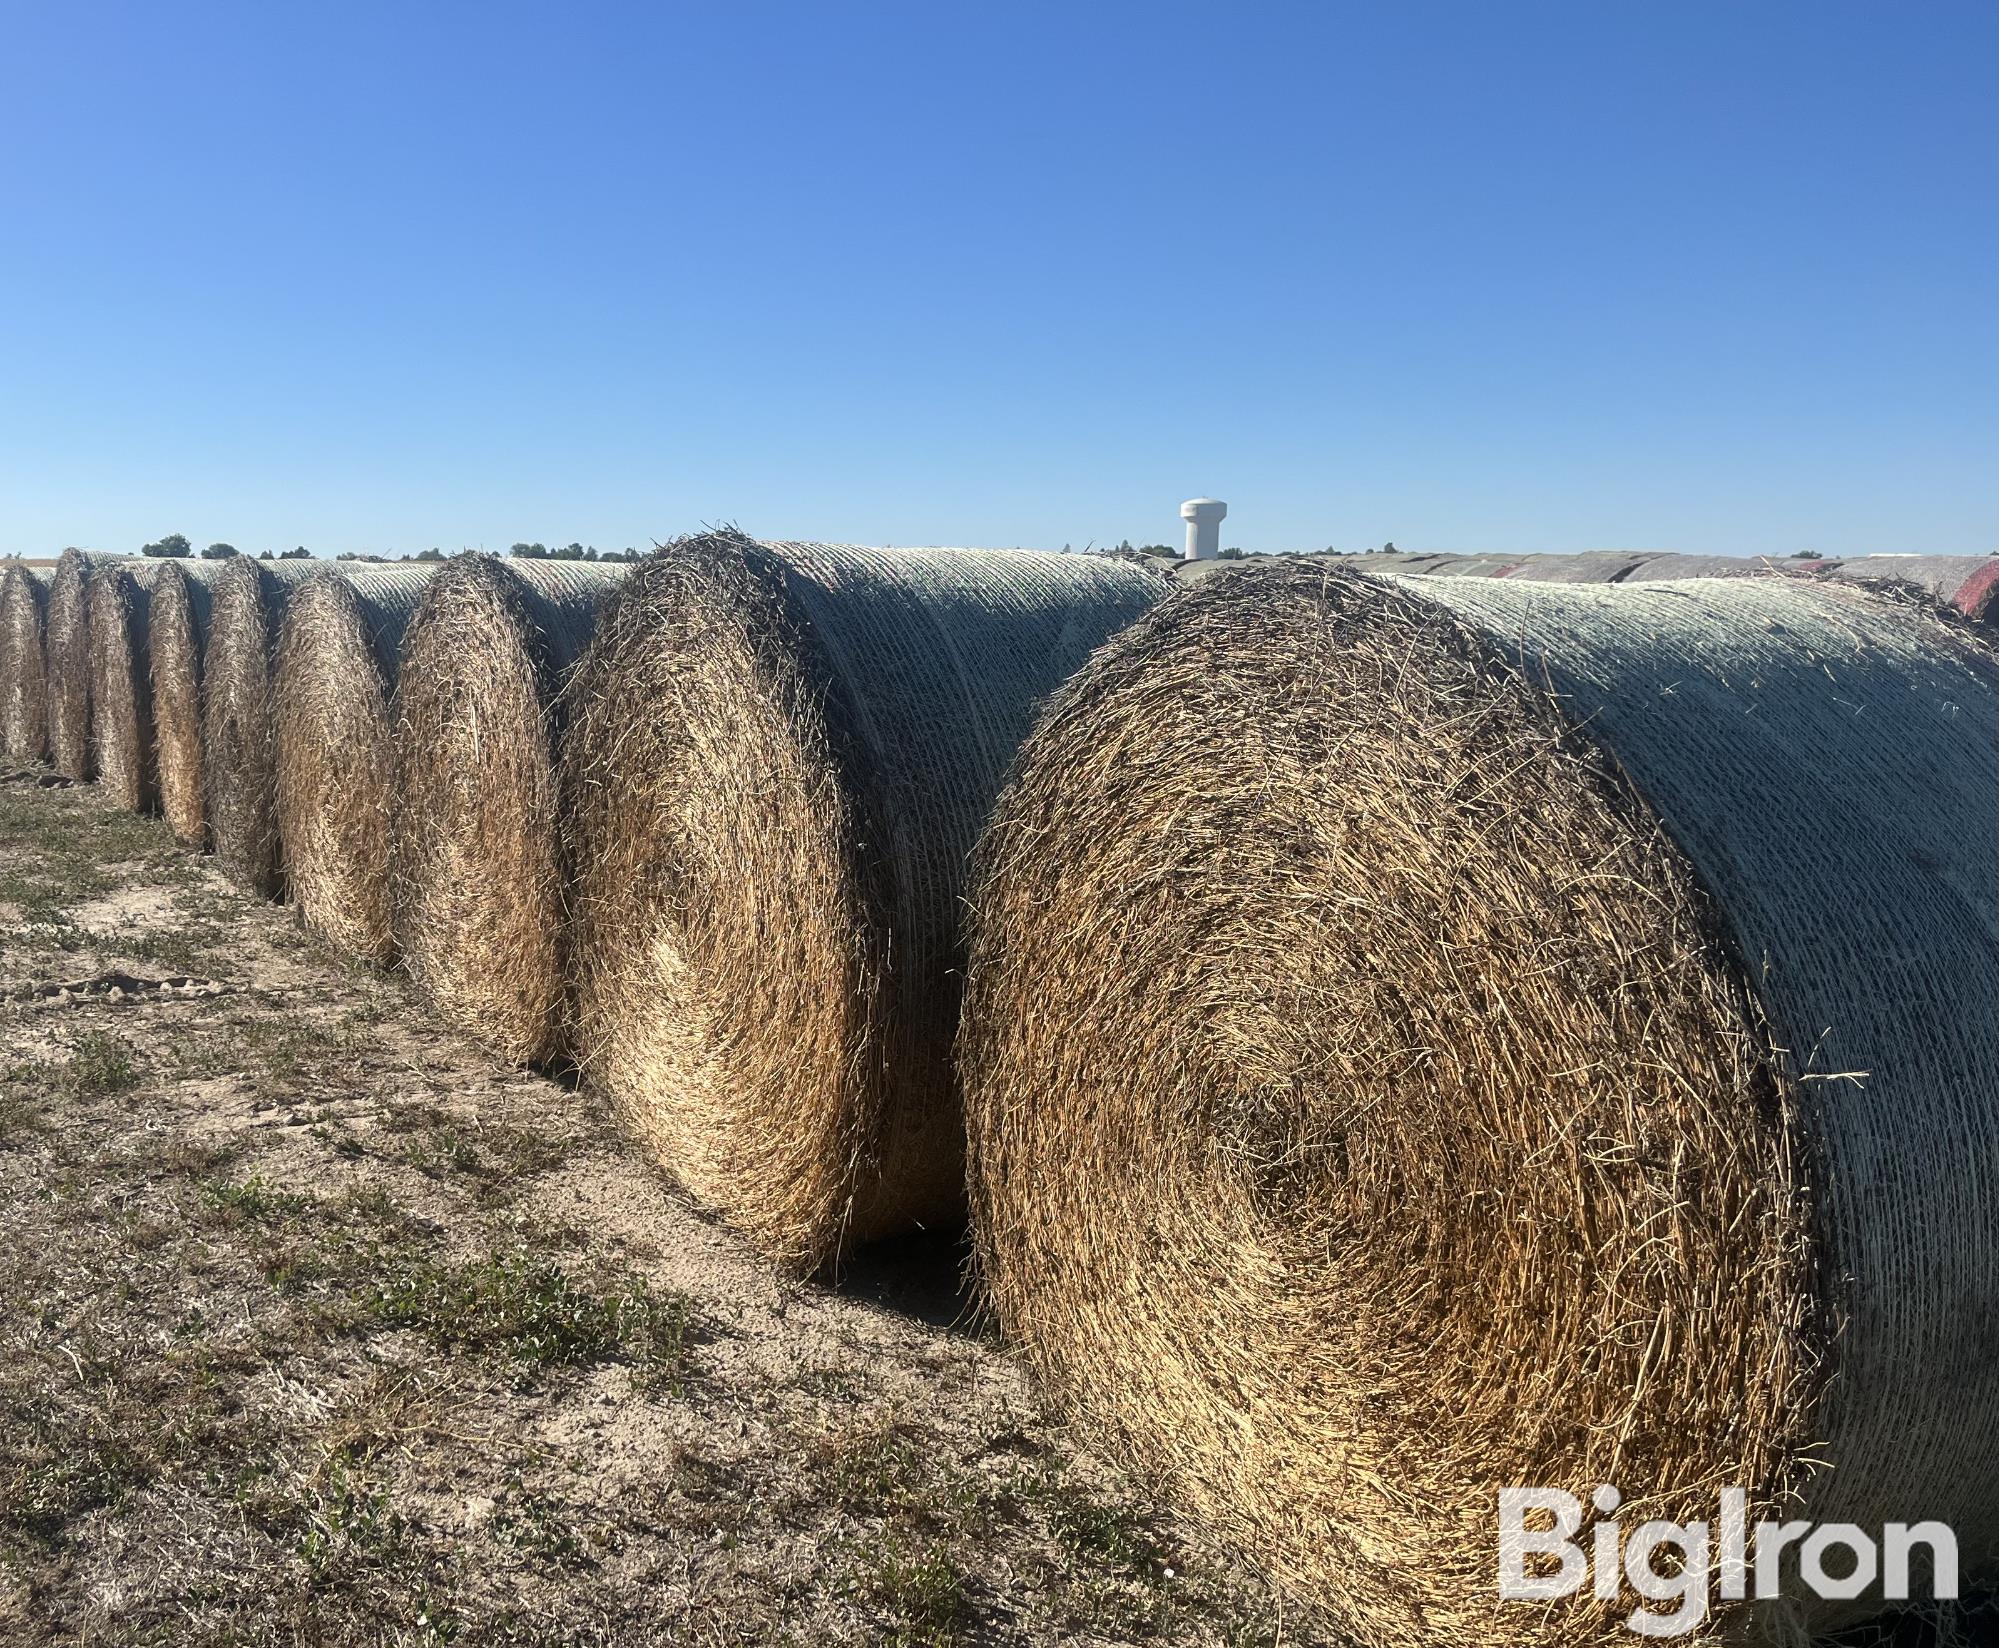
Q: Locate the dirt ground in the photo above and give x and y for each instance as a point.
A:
(318, 1327)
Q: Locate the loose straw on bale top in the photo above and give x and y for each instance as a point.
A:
(476, 864)
(121, 694)
(238, 732)
(24, 713)
(177, 628)
(66, 663)
(1429, 1038)
(781, 757)
(336, 668)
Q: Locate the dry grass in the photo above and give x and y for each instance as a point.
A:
(238, 717)
(121, 694)
(1370, 1105)
(24, 705)
(477, 870)
(318, 1327)
(336, 669)
(781, 756)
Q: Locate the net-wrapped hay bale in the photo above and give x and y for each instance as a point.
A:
(781, 758)
(1965, 583)
(66, 664)
(1594, 566)
(24, 717)
(1433, 1037)
(177, 632)
(475, 860)
(336, 670)
(1667, 567)
(238, 733)
(1968, 584)
(121, 692)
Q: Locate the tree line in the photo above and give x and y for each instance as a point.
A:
(175, 547)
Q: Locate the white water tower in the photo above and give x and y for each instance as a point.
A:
(1204, 527)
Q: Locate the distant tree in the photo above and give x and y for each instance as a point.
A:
(299, 554)
(268, 555)
(174, 547)
(530, 552)
(431, 555)
(1389, 547)
(1155, 549)
(218, 552)
(1804, 555)
(1229, 554)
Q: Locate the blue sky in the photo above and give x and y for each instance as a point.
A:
(1718, 277)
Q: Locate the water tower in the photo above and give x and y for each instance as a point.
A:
(1204, 527)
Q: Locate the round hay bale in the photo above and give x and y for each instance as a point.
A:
(121, 695)
(238, 735)
(336, 669)
(177, 630)
(475, 862)
(1447, 566)
(1723, 566)
(24, 717)
(781, 758)
(1966, 583)
(66, 664)
(1594, 566)
(1430, 1037)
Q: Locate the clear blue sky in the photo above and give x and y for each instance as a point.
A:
(1705, 276)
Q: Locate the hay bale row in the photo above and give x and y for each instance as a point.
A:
(24, 723)
(121, 695)
(1437, 1035)
(781, 757)
(337, 664)
(1423, 1034)
(238, 716)
(475, 860)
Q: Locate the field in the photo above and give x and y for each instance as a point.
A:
(317, 1326)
